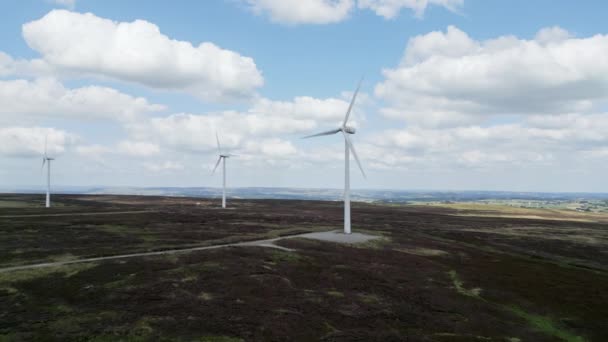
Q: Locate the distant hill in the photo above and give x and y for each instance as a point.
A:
(368, 195)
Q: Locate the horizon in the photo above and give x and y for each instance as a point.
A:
(64, 190)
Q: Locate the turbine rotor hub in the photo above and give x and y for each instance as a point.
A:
(349, 130)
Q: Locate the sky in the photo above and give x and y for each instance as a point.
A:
(456, 94)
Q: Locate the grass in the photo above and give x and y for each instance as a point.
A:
(541, 323)
(335, 293)
(23, 275)
(507, 211)
(220, 339)
(420, 251)
(459, 285)
(281, 256)
(379, 243)
(205, 296)
(544, 324)
(15, 204)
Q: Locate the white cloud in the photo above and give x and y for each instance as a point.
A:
(21, 67)
(166, 166)
(303, 12)
(47, 98)
(303, 107)
(66, 3)
(265, 119)
(30, 141)
(138, 148)
(138, 52)
(269, 148)
(539, 141)
(451, 79)
(390, 8)
(190, 132)
(553, 34)
(333, 11)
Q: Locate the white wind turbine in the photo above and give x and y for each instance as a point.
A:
(349, 147)
(222, 158)
(46, 159)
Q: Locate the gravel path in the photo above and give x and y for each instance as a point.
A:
(332, 236)
(80, 214)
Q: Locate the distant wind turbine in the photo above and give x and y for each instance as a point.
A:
(222, 158)
(349, 147)
(46, 159)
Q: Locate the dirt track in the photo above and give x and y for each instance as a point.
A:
(79, 214)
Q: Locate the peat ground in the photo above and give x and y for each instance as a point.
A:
(435, 276)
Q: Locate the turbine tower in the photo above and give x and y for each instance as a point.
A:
(348, 147)
(222, 158)
(47, 159)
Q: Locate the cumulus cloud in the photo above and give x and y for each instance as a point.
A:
(30, 141)
(332, 11)
(66, 3)
(265, 118)
(538, 141)
(390, 8)
(47, 98)
(303, 107)
(138, 148)
(138, 52)
(269, 148)
(10, 67)
(303, 12)
(449, 78)
(165, 166)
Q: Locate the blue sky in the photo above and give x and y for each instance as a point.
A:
(458, 94)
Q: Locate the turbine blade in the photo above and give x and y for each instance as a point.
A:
(352, 102)
(352, 149)
(43, 162)
(333, 131)
(219, 147)
(216, 165)
(46, 140)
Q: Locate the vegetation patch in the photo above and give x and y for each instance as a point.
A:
(422, 251)
(220, 339)
(278, 256)
(459, 285)
(29, 274)
(206, 296)
(379, 243)
(544, 324)
(335, 293)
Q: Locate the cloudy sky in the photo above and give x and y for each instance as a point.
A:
(458, 94)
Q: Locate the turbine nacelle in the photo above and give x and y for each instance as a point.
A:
(349, 129)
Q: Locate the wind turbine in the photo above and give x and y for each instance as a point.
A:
(222, 158)
(348, 147)
(46, 159)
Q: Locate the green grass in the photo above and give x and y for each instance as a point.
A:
(220, 339)
(23, 275)
(538, 322)
(15, 204)
(336, 294)
(375, 243)
(281, 256)
(459, 285)
(544, 324)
